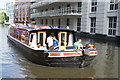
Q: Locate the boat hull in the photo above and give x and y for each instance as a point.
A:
(41, 57)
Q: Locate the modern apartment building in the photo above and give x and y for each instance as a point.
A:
(22, 11)
(95, 17)
(10, 10)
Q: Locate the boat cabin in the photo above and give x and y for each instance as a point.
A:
(32, 37)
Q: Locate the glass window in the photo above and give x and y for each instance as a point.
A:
(46, 21)
(78, 24)
(41, 39)
(79, 7)
(93, 25)
(113, 4)
(42, 21)
(58, 23)
(68, 22)
(62, 39)
(52, 22)
(94, 6)
(112, 25)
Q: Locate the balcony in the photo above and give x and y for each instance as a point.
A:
(42, 3)
(58, 12)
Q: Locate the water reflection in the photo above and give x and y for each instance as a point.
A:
(14, 65)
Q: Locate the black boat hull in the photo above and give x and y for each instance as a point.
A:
(41, 57)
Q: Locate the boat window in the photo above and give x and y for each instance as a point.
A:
(31, 38)
(16, 34)
(70, 39)
(41, 39)
(62, 39)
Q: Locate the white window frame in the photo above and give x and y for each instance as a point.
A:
(93, 26)
(93, 6)
(111, 27)
(78, 23)
(114, 3)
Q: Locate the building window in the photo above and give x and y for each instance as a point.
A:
(78, 24)
(68, 8)
(68, 22)
(52, 8)
(46, 10)
(58, 23)
(46, 21)
(113, 4)
(112, 25)
(52, 22)
(59, 7)
(42, 21)
(94, 6)
(79, 7)
(93, 25)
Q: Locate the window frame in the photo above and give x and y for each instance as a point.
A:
(78, 24)
(93, 6)
(114, 3)
(92, 25)
(112, 26)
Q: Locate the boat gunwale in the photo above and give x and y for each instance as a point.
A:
(40, 50)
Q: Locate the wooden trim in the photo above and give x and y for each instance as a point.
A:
(44, 37)
(65, 39)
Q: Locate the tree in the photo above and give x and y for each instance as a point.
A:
(3, 17)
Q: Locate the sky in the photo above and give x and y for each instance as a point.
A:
(3, 3)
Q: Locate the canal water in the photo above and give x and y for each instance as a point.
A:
(14, 65)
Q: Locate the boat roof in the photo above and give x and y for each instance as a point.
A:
(55, 29)
(33, 29)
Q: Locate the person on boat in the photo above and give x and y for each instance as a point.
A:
(91, 46)
(78, 44)
(55, 43)
(49, 41)
(38, 45)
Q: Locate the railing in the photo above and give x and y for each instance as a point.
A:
(58, 12)
(44, 2)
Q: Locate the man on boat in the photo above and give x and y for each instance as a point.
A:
(55, 43)
(50, 41)
(78, 44)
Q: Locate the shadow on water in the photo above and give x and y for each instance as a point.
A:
(105, 65)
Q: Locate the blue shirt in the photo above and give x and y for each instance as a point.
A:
(55, 43)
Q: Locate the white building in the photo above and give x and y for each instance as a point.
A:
(10, 10)
(96, 17)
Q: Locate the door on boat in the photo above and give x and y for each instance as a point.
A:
(62, 40)
(32, 40)
(42, 38)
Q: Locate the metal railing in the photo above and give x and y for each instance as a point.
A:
(58, 12)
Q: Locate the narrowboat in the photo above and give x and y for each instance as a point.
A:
(27, 37)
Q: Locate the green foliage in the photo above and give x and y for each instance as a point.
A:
(33, 22)
(3, 17)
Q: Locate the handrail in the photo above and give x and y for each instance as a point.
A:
(62, 11)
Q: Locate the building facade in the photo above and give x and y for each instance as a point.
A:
(10, 10)
(96, 17)
(22, 11)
